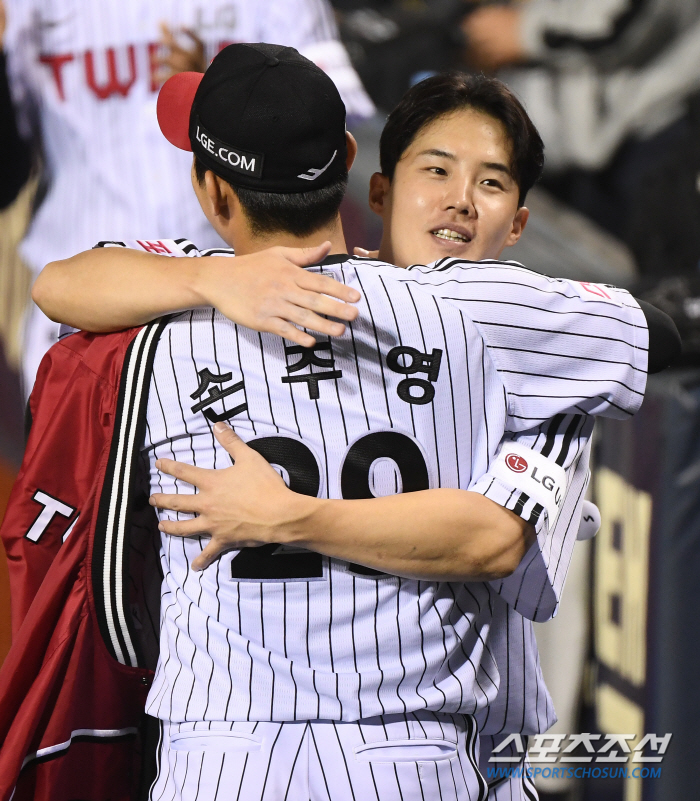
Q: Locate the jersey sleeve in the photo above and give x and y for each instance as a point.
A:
(560, 346)
(542, 475)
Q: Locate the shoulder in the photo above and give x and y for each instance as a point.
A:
(167, 247)
(465, 271)
(367, 266)
(509, 281)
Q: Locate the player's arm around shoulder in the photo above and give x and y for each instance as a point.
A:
(111, 288)
(434, 535)
(558, 344)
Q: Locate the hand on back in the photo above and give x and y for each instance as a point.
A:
(269, 291)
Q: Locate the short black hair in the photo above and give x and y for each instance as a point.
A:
(297, 213)
(451, 91)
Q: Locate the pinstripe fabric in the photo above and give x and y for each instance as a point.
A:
(412, 757)
(522, 314)
(535, 587)
(339, 644)
(333, 655)
(523, 703)
(82, 75)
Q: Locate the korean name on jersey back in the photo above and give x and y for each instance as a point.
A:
(411, 397)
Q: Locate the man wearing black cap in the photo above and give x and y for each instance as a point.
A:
(277, 662)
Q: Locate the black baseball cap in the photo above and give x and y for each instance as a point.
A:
(262, 116)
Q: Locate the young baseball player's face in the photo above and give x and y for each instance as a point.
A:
(452, 193)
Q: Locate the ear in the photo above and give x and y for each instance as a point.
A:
(211, 187)
(519, 222)
(379, 189)
(220, 195)
(352, 149)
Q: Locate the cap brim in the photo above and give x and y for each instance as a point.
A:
(174, 105)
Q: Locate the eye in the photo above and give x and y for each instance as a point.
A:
(437, 170)
(492, 182)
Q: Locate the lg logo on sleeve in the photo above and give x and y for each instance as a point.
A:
(530, 472)
(516, 463)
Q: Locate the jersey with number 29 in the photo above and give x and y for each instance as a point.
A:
(418, 393)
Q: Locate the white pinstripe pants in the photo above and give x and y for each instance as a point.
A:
(415, 757)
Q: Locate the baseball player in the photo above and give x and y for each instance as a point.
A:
(85, 78)
(459, 680)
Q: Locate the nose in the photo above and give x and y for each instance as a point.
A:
(460, 197)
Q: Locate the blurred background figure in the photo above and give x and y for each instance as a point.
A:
(394, 43)
(84, 79)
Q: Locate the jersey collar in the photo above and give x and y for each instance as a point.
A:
(334, 258)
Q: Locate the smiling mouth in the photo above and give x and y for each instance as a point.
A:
(450, 236)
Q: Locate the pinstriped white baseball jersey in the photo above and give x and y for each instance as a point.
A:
(412, 396)
(533, 592)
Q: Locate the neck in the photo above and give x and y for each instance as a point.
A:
(386, 252)
(246, 243)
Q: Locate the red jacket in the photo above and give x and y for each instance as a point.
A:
(74, 684)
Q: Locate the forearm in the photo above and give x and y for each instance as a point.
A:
(434, 535)
(443, 534)
(107, 289)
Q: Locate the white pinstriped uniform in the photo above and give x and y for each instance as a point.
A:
(412, 757)
(345, 646)
(523, 703)
(82, 76)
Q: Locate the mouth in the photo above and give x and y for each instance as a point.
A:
(450, 235)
